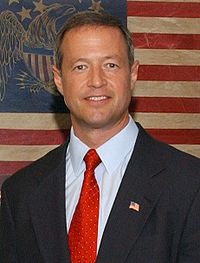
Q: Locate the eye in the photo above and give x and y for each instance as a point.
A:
(112, 65)
(80, 67)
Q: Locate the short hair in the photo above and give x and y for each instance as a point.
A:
(93, 18)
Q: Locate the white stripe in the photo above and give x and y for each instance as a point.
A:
(168, 57)
(164, 25)
(33, 64)
(48, 121)
(34, 121)
(41, 68)
(32, 153)
(184, 89)
(49, 68)
(23, 153)
(168, 120)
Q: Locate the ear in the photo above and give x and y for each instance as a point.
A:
(57, 78)
(134, 73)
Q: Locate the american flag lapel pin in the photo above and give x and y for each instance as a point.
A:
(135, 206)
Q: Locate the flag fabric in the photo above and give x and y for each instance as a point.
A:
(134, 206)
(166, 99)
(33, 117)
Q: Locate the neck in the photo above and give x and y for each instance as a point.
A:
(95, 137)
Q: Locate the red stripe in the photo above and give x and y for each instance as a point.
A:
(37, 69)
(52, 60)
(176, 136)
(164, 105)
(163, 9)
(166, 41)
(8, 168)
(32, 137)
(170, 136)
(169, 73)
(29, 61)
(44, 65)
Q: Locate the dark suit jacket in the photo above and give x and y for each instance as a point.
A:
(163, 181)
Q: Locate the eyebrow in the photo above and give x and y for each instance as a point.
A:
(104, 58)
(112, 57)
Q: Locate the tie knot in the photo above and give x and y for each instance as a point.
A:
(92, 159)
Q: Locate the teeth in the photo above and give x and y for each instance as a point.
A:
(97, 98)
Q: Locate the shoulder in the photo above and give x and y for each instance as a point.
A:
(159, 153)
(32, 175)
(166, 169)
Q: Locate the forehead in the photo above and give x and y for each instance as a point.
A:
(88, 32)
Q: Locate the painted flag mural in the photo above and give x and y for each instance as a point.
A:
(166, 99)
(33, 117)
(167, 95)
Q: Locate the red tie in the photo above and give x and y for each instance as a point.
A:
(82, 236)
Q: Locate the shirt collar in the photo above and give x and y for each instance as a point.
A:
(77, 150)
(110, 152)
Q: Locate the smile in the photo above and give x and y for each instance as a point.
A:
(97, 98)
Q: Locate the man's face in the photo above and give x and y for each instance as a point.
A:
(95, 77)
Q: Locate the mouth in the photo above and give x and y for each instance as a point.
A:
(97, 98)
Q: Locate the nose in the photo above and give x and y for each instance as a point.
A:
(96, 77)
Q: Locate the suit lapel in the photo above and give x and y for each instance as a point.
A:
(143, 184)
(47, 208)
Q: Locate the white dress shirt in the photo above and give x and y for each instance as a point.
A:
(115, 155)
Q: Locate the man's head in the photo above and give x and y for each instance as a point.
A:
(89, 18)
(95, 73)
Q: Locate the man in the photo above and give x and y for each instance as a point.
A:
(148, 200)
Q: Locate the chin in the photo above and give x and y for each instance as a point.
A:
(96, 122)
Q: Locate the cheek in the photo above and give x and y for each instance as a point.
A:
(67, 94)
(123, 89)
(67, 88)
(71, 98)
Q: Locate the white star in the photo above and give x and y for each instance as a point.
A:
(39, 6)
(25, 13)
(96, 6)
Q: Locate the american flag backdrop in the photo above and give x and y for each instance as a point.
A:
(167, 40)
(33, 117)
(166, 99)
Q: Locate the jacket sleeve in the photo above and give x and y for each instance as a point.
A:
(7, 232)
(190, 241)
